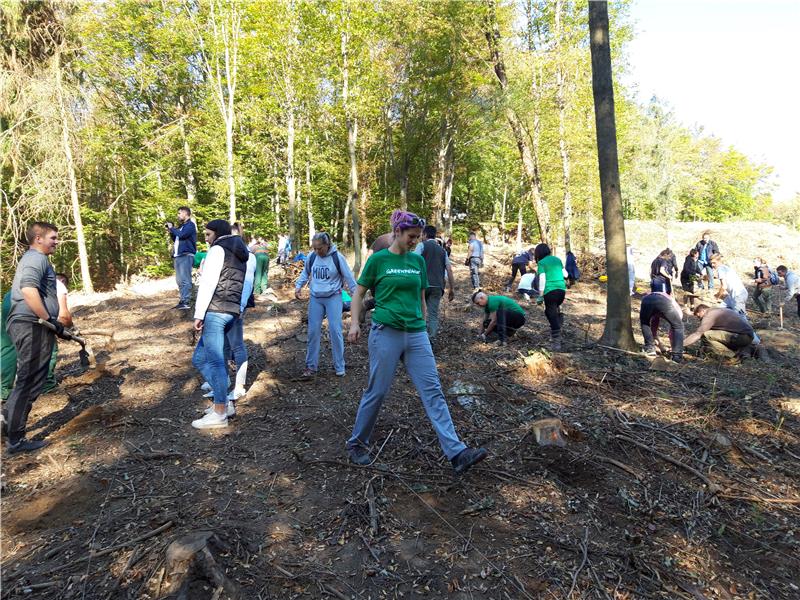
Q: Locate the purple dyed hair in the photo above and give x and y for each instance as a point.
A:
(403, 220)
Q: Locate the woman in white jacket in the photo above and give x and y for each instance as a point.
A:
(325, 272)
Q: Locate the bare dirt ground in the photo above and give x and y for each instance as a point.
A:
(678, 484)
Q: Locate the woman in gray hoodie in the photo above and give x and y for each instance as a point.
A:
(325, 272)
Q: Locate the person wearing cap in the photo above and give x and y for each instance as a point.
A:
(218, 305)
(398, 279)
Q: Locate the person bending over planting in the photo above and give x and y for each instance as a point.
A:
(502, 315)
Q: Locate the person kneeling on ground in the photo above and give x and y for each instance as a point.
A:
(553, 287)
(764, 279)
(722, 331)
(655, 306)
(397, 278)
(792, 282)
(731, 289)
(502, 315)
(218, 306)
(527, 286)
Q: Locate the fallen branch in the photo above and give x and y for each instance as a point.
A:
(585, 551)
(619, 465)
(712, 487)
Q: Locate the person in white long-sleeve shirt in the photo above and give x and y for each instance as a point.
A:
(218, 305)
(792, 282)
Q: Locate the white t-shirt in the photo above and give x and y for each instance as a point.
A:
(733, 282)
(61, 289)
(526, 281)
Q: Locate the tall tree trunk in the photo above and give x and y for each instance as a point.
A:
(529, 159)
(450, 170)
(83, 255)
(445, 144)
(276, 199)
(561, 101)
(291, 192)
(519, 228)
(309, 206)
(404, 181)
(188, 179)
(352, 139)
(618, 330)
(503, 207)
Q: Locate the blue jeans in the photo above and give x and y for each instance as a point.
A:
(183, 275)
(318, 309)
(710, 273)
(474, 271)
(209, 355)
(433, 296)
(387, 347)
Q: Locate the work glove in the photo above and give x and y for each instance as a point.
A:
(59, 327)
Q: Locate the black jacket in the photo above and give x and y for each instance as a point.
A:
(228, 294)
(712, 248)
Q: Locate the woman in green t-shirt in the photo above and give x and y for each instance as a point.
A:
(553, 289)
(502, 315)
(397, 278)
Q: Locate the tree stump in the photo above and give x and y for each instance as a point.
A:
(190, 559)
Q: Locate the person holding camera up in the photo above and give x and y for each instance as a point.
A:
(184, 239)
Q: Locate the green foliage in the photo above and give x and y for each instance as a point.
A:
(148, 135)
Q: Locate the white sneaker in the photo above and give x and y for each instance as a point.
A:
(230, 409)
(209, 394)
(236, 393)
(210, 421)
(206, 387)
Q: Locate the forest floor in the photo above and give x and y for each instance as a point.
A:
(671, 484)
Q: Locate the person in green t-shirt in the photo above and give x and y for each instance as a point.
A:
(397, 278)
(553, 289)
(502, 315)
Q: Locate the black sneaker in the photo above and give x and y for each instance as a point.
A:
(359, 455)
(24, 445)
(182, 306)
(467, 458)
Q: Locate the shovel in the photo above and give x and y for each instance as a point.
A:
(86, 353)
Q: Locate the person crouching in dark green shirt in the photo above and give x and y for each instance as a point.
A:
(502, 315)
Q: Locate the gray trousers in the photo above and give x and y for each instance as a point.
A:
(737, 302)
(474, 274)
(318, 309)
(34, 344)
(433, 296)
(762, 296)
(387, 347)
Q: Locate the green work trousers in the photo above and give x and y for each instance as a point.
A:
(262, 272)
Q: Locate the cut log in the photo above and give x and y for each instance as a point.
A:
(190, 558)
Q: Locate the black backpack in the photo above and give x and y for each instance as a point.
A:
(313, 257)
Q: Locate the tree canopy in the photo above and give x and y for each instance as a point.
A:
(303, 115)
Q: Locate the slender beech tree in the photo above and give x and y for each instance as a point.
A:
(618, 331)
(520, 132)
(83, 254)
